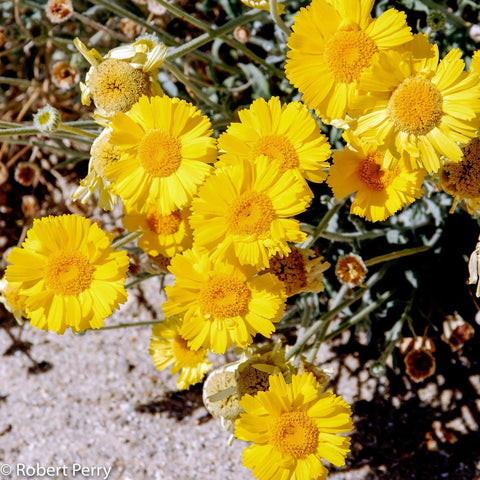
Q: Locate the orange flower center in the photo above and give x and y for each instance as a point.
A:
(68, 273)
(164, 224)
(251, 214)
(278, 148)
(416, 106)
(348, 52)
(295, 434)
(350, 270)
(373, 175)
(160, 153)
(184, 354)
(224, 296)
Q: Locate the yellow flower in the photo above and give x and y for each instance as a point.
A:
(164, 235)
(12, 300)
(286, 134)
(422, 108)
(298, 272)
(475, 65)
(292, 427)
(69, 273)
(168, 347)
(242, 213)
(102, 154)
(116, 81)
(221, 304)
(380, 192)
(166, 147)
(332, 44)
(262, 5)
(462, 179)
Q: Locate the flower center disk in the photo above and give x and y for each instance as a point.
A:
(164, 224)
(251, 214)
(415, 106)
(295, 434)
(69, 273)
(348, 52)
(160, 153)
(371, 172)
(224, 296)
(278, 148)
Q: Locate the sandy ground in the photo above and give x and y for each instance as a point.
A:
(83, 410)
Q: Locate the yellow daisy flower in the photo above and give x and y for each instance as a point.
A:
(380, 192)
(292, 427)
(116, 81)
(262, 5)
(462, 179)
(12, 300)
(298, 271)
(168, 347)
(69, 273)
(164, 235)
(475, 65)
(422, 108)
(166, 147)
(286, 134)
(102, 154)
(242, 213)
(221, 304)
(332, 44)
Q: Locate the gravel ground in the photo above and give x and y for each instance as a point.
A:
(85, 409)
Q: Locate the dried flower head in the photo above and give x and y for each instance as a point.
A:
(130, 28)
(58, 11)
(262, 5)
(220, 395)
(475, 33)
(436, 20)
(419, 359)
(27, 174)
(156, 8)
(29, 205)
(47, 119)
(241, 34)
(161, 261)
(298, 272)
(351, 270)
(462, 179)
(419, 364)
(64, 75)
(456, 331)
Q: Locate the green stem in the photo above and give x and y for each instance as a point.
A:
(77, 131)
(323, 224)
(122, 240)
(140, 279)
(126, 325)
(20, 82)
(197, 92)
(327, 317)
(394, 255)
(358, 316)
(8, 132)
(276, 18)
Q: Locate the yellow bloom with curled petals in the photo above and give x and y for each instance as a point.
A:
(262, 5)
(166, 147)
(168, 347)
(379, 191)
(421, 108)
(221, 304)
(287, 134)
(69, 274)
(242, 214)
(292, 427)
(332, 44)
